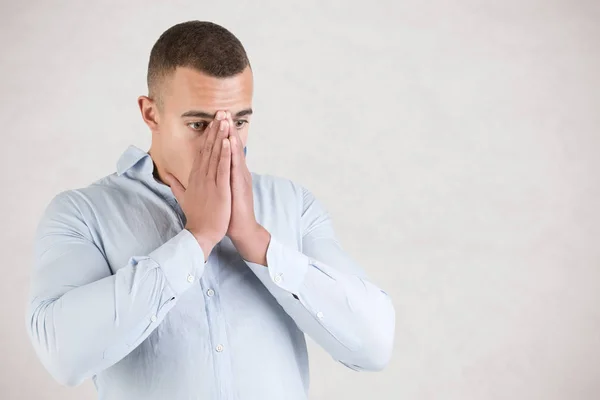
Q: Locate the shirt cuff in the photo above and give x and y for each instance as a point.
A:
(181, 259)
(285, 271)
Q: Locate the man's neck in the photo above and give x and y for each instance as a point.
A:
(156, 171)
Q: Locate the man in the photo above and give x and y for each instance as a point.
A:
(186, 276)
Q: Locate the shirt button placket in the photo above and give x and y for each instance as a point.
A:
(217, 325)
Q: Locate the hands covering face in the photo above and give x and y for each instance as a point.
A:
(218, 200)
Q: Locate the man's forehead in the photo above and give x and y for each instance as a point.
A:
(193, 90)
(186, 77)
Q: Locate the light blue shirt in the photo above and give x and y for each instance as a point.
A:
(121, 293)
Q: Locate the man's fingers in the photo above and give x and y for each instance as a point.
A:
(224, 167)
(230, 137)
(237, 151)
(197, 161)
(216, 151)
(235, 162)
(209, 142)
(176, 186)
(238, 141)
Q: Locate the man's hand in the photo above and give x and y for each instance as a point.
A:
(243, 221)
(248, 236)
(206, 202)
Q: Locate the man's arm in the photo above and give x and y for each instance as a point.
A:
(326, 293)
(82, 319)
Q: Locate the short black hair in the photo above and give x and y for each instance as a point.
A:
(202, 45)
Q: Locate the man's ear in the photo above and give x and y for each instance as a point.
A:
(149, 111)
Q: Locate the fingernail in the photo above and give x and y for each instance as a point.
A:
(223, 125)
(219, 115)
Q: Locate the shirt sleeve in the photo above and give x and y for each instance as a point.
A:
(328, 294)
(81, 318)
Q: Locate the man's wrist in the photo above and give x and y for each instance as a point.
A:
(253, 244)
(205, 244)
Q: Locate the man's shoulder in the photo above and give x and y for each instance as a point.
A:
(84, 199)
(270, 183)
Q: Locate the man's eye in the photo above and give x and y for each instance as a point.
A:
(198, 126)
(240, 122)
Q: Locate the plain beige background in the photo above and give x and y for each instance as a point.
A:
(455, 143)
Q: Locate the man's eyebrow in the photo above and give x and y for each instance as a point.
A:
(204, 114)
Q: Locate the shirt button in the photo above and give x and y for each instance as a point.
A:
(210, 292)
(219, 348)
(190, 278)
(153, 318)
(278, 278)
(320, 315)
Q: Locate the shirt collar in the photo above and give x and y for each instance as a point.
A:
(135, 158)
(139, 161)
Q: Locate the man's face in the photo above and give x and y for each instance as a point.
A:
(190, 101)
